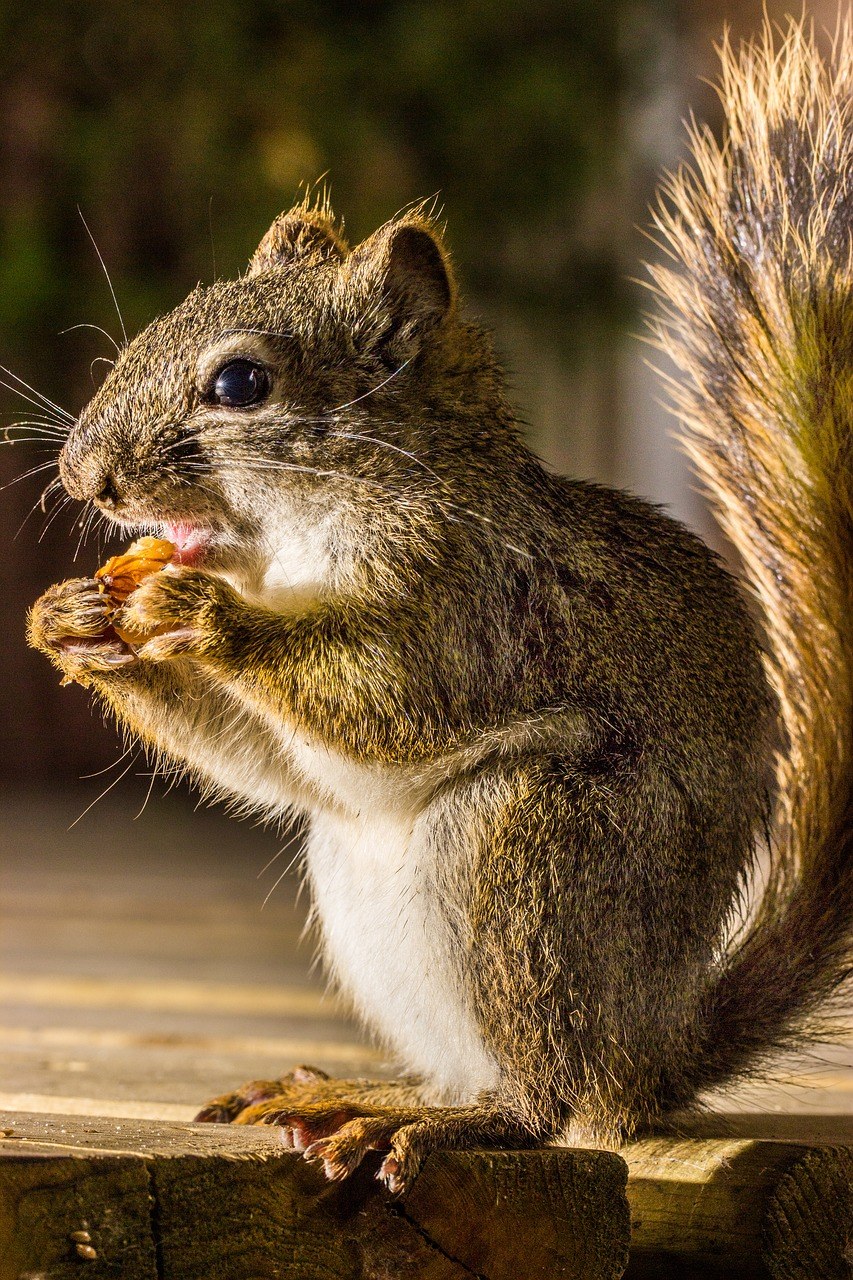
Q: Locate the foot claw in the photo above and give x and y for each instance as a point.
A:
(308, 1075)
(393, 1174)
(287, 1138)
(300, 1137)
(319, 1153)
(305, 1130)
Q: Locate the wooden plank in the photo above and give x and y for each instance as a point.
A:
(152, 938)
(780, 1126)
(232, 1203)
(143, 975)
(60, 1218)
(720, 1207)
(133, 1068)
(522, 1210)
(69, 1104)
(740, 1207)
(141, 970)
(162, 994)
(159, 1065)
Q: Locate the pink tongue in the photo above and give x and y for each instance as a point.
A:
(188, 541)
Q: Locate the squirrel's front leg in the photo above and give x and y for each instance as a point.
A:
(193, 613)
(338, 669)
(177, 708)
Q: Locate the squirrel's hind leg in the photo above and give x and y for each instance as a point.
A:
(341, 1134)
(339, 1122)
(306, 1086)
(591, 919)
(409, 1136)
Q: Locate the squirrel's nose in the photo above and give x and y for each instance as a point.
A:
(108, 496)
(86, 480)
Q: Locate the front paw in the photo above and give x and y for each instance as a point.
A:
(72, 624)
(175, 613)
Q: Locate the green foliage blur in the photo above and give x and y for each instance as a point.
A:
(181, 130)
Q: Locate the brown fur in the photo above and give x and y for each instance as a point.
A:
(760, 319)
(558, 686)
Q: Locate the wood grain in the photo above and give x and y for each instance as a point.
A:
(45, 1200)
(741, 1207)
(209, 1201)
(141, 972)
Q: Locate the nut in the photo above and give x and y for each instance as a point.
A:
(122, 574)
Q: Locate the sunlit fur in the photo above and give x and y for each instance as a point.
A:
(758, 314)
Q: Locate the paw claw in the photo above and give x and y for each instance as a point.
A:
(319, 1153)
(300, 1139)
(172, 644)
(391, 1173)
(166, 612)
(307, 1075)
(72, 623)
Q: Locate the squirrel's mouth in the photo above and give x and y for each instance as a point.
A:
(190, 542)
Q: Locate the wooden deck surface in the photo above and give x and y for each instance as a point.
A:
(142, 970)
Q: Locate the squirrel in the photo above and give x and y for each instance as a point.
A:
(536, 735)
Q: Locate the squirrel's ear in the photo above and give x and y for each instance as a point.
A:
(402, 281)
(300, 234)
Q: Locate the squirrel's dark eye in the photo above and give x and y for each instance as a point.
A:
(240, 383)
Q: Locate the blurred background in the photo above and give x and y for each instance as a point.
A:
(179, 131)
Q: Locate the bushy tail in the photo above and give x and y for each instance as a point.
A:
(758, 315)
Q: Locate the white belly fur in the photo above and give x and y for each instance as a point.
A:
(390, 948)
(372, 865)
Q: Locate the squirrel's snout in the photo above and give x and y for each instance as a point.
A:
(88, 479)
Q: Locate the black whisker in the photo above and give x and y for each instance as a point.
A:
(372, 392)
(25, 475)
(106, 790)
(40, 420)
(392, 448)
(55, 483)
(39, 504)
(60, 506)
(41, 434)
(84, 524)
(99, 360)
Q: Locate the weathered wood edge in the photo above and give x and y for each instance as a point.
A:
(198, 1202)
(731, 1205)
(834, 1130)
(740, 1207)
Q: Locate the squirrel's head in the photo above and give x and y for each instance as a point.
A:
(304, 387)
